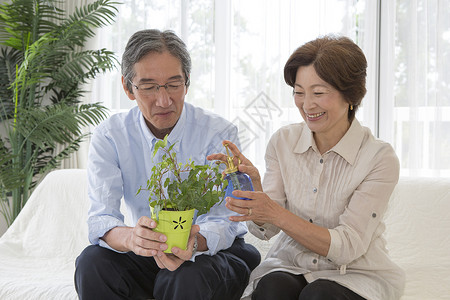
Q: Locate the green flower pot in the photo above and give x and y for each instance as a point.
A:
(176, 225)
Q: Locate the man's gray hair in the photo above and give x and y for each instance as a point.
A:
(153, 40)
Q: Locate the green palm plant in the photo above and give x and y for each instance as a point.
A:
(43, 68)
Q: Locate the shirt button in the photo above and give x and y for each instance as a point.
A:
(315, 190)
(261, 229)
(374, 215)
(321, 160)
(314, 261)
(310, 220)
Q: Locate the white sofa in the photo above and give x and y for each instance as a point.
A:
(38, 251)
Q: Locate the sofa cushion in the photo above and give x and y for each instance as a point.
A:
(418, 235)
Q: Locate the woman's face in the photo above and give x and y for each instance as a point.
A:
(322, 107)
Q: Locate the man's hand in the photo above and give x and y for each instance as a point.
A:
(144, 241)
(141, 239)
(172, 261)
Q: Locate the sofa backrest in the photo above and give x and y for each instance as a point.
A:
(418, 235)
(53, 222)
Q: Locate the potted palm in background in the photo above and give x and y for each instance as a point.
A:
(43, 68)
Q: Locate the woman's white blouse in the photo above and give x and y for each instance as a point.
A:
(346, 190)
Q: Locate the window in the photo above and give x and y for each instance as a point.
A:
(239, 49)
(414, 113)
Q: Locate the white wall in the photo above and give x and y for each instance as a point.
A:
(2, 225)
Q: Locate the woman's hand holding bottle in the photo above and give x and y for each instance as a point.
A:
(244, 165)
(260, 209)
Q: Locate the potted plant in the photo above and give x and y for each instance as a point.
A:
(43, 69)
(177, 190)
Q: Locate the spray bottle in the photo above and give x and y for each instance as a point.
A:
(236, 179)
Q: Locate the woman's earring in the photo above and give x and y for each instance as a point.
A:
(351, 106)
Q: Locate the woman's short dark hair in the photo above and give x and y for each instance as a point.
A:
(338, 61)
(153, 40)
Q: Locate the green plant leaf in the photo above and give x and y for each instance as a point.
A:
(201, 188)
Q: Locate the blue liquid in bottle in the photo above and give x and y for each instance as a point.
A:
(236, 179)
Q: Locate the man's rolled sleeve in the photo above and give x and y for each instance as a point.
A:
(99, 225)
(218, 230)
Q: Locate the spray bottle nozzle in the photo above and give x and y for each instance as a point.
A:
(231, 168)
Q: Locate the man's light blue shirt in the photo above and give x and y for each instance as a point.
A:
(120, 161)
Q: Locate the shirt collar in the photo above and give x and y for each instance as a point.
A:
(347, 147)
(305, 141)
(177, 132)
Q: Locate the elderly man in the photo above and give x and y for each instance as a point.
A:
(128, 262)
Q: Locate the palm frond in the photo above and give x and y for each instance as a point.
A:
(57, 124)
(9, 58)
(29, 72)
(81, 66)
(77, 27)
(50, 125)
(27, 20)
(50, 162)
(71, 95)
(46, 126)
(11, 175)
(91, 114)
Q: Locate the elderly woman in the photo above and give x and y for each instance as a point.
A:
(327, 185)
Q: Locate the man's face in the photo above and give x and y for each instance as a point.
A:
(161, 109)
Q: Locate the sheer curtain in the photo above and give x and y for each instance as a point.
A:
(415, 84)
(262, 36)
(239, 49)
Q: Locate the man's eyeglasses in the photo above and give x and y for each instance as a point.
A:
(151, 89)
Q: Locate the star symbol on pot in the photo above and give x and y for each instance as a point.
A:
(180, 223)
